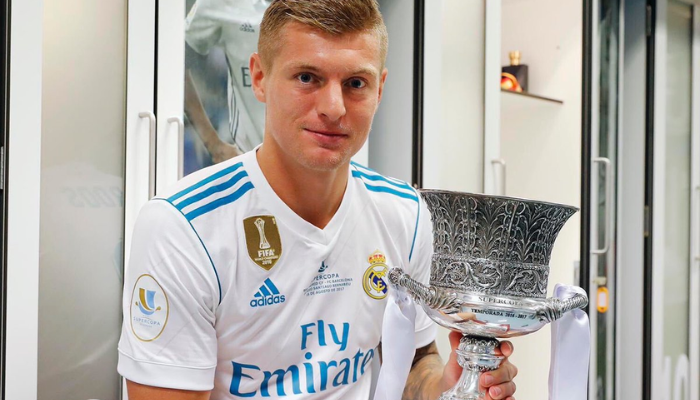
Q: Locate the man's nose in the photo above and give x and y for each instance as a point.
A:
(331, 103)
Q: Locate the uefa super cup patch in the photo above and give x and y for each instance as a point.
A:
(263, 240)
(149, 309)
(375, 280)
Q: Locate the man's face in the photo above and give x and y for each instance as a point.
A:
(321, 93)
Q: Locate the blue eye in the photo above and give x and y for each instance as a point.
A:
(357, 83)
(305, 78)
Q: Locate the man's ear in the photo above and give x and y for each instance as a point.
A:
(257, 74)
(382, 79)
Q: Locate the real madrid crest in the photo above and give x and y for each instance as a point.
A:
(375, 281)
(262, 238)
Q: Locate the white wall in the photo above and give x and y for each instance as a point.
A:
(453, 154)
(23, 199)
(541, 144)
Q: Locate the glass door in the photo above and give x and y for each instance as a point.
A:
(604, 164)
(677, 199)
(214, 41)
(81, 210)
(675, 316)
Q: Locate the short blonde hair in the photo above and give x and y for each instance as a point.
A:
(335, 17)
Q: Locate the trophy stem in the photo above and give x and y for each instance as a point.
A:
(475, 355)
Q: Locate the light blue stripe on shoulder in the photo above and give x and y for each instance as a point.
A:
(203, 246)
(210, 191)
(220, 202)
(370, 172)
(206, 180)
(415, 233)
(380, 178)
(384, 189)
(359, 172)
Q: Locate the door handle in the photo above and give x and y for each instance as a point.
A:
(502, 163)
(608, 204)
(697, 221)
(151, 152)
(180, 141)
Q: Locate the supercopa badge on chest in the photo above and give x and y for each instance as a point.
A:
(375, 280)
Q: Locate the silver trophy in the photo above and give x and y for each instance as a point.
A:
(488, 277)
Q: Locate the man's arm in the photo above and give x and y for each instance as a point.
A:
(141, 392)
(424, 381)
(429, 377)
(174, 346)
(218, 149)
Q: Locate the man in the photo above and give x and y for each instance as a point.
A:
(234, 25)
(265, 276)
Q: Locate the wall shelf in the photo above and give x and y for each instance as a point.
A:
(533, 96)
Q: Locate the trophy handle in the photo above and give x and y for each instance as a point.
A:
(430, 296)
(555, 308)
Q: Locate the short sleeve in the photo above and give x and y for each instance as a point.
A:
(419, 269)
(171, 293)
(202, 25)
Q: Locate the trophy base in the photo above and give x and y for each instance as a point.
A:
(475, 355)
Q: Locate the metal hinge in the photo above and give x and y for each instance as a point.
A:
(649, 21)
(647, 221)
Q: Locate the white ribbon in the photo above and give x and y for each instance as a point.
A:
(568, 373)
(398, 345)
(571, 343)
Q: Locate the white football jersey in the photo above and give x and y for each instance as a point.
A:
(228, 288)
(235, 25)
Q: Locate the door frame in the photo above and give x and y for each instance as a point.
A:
(23, 190)
(492, 101)
(4, 123)
(655, 201)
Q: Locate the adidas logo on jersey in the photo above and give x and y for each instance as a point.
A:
(247, 27)
(267, 295)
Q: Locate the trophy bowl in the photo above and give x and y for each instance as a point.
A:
(489, 275)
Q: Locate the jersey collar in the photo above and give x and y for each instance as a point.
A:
(286, 215)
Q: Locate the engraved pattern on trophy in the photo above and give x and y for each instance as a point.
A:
(260, 224)
(473, 233)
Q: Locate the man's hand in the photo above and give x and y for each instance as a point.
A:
(429, 378)
(498, 384)
(221, 151)
(194, 109)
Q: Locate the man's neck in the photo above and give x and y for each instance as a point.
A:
(313, 195)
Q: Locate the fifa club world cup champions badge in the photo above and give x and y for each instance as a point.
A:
(263, 240)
